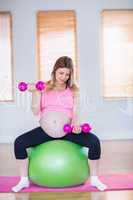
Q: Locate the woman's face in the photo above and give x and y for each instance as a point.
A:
(62, 75)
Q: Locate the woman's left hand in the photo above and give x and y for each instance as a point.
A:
(76, 129)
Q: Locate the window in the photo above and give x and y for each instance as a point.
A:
(6, 77)
(56, 36)
(117, 42)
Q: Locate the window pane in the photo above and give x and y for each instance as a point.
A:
(56, 37)
(118, 53)
(5, 58)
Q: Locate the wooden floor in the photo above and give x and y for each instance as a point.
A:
(117, 157)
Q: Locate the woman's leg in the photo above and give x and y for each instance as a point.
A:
(24, 141)
(92, 142)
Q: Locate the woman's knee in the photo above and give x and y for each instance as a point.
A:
(94, 139)
(19, 142)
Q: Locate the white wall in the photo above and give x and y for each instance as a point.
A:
(110, 119)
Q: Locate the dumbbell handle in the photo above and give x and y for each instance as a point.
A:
(23, 86)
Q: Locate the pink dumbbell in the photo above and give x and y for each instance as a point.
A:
(84, 127)
(67, 128)
(22, 86)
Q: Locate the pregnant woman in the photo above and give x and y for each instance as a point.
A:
(57, 106)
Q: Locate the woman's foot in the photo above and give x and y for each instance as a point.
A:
(23, 183)
(95, 182)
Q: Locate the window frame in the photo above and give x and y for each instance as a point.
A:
(102, 60)
(12, 100)
(77, 77)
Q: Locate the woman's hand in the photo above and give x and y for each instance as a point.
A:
(31, 87)
(76, 129)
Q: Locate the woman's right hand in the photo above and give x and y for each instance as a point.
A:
(31, 87)
(76, 129)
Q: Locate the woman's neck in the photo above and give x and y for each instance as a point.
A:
(60, 87)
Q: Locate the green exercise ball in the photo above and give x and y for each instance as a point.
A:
(58, 163)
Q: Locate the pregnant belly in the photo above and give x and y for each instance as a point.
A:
(52, 123)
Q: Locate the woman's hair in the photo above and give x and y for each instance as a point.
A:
(62, 62)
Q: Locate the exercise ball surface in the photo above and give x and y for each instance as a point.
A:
(58, 163)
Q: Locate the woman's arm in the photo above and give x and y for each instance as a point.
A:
(76, 109)
(35, 102)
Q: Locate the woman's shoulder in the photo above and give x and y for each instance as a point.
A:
(75, 90)
(48, 86)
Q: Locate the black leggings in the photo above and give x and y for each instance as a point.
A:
(38, 136)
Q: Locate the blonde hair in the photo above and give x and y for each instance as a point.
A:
(62, 62)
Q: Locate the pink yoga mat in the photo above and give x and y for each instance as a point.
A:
(114, 182)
